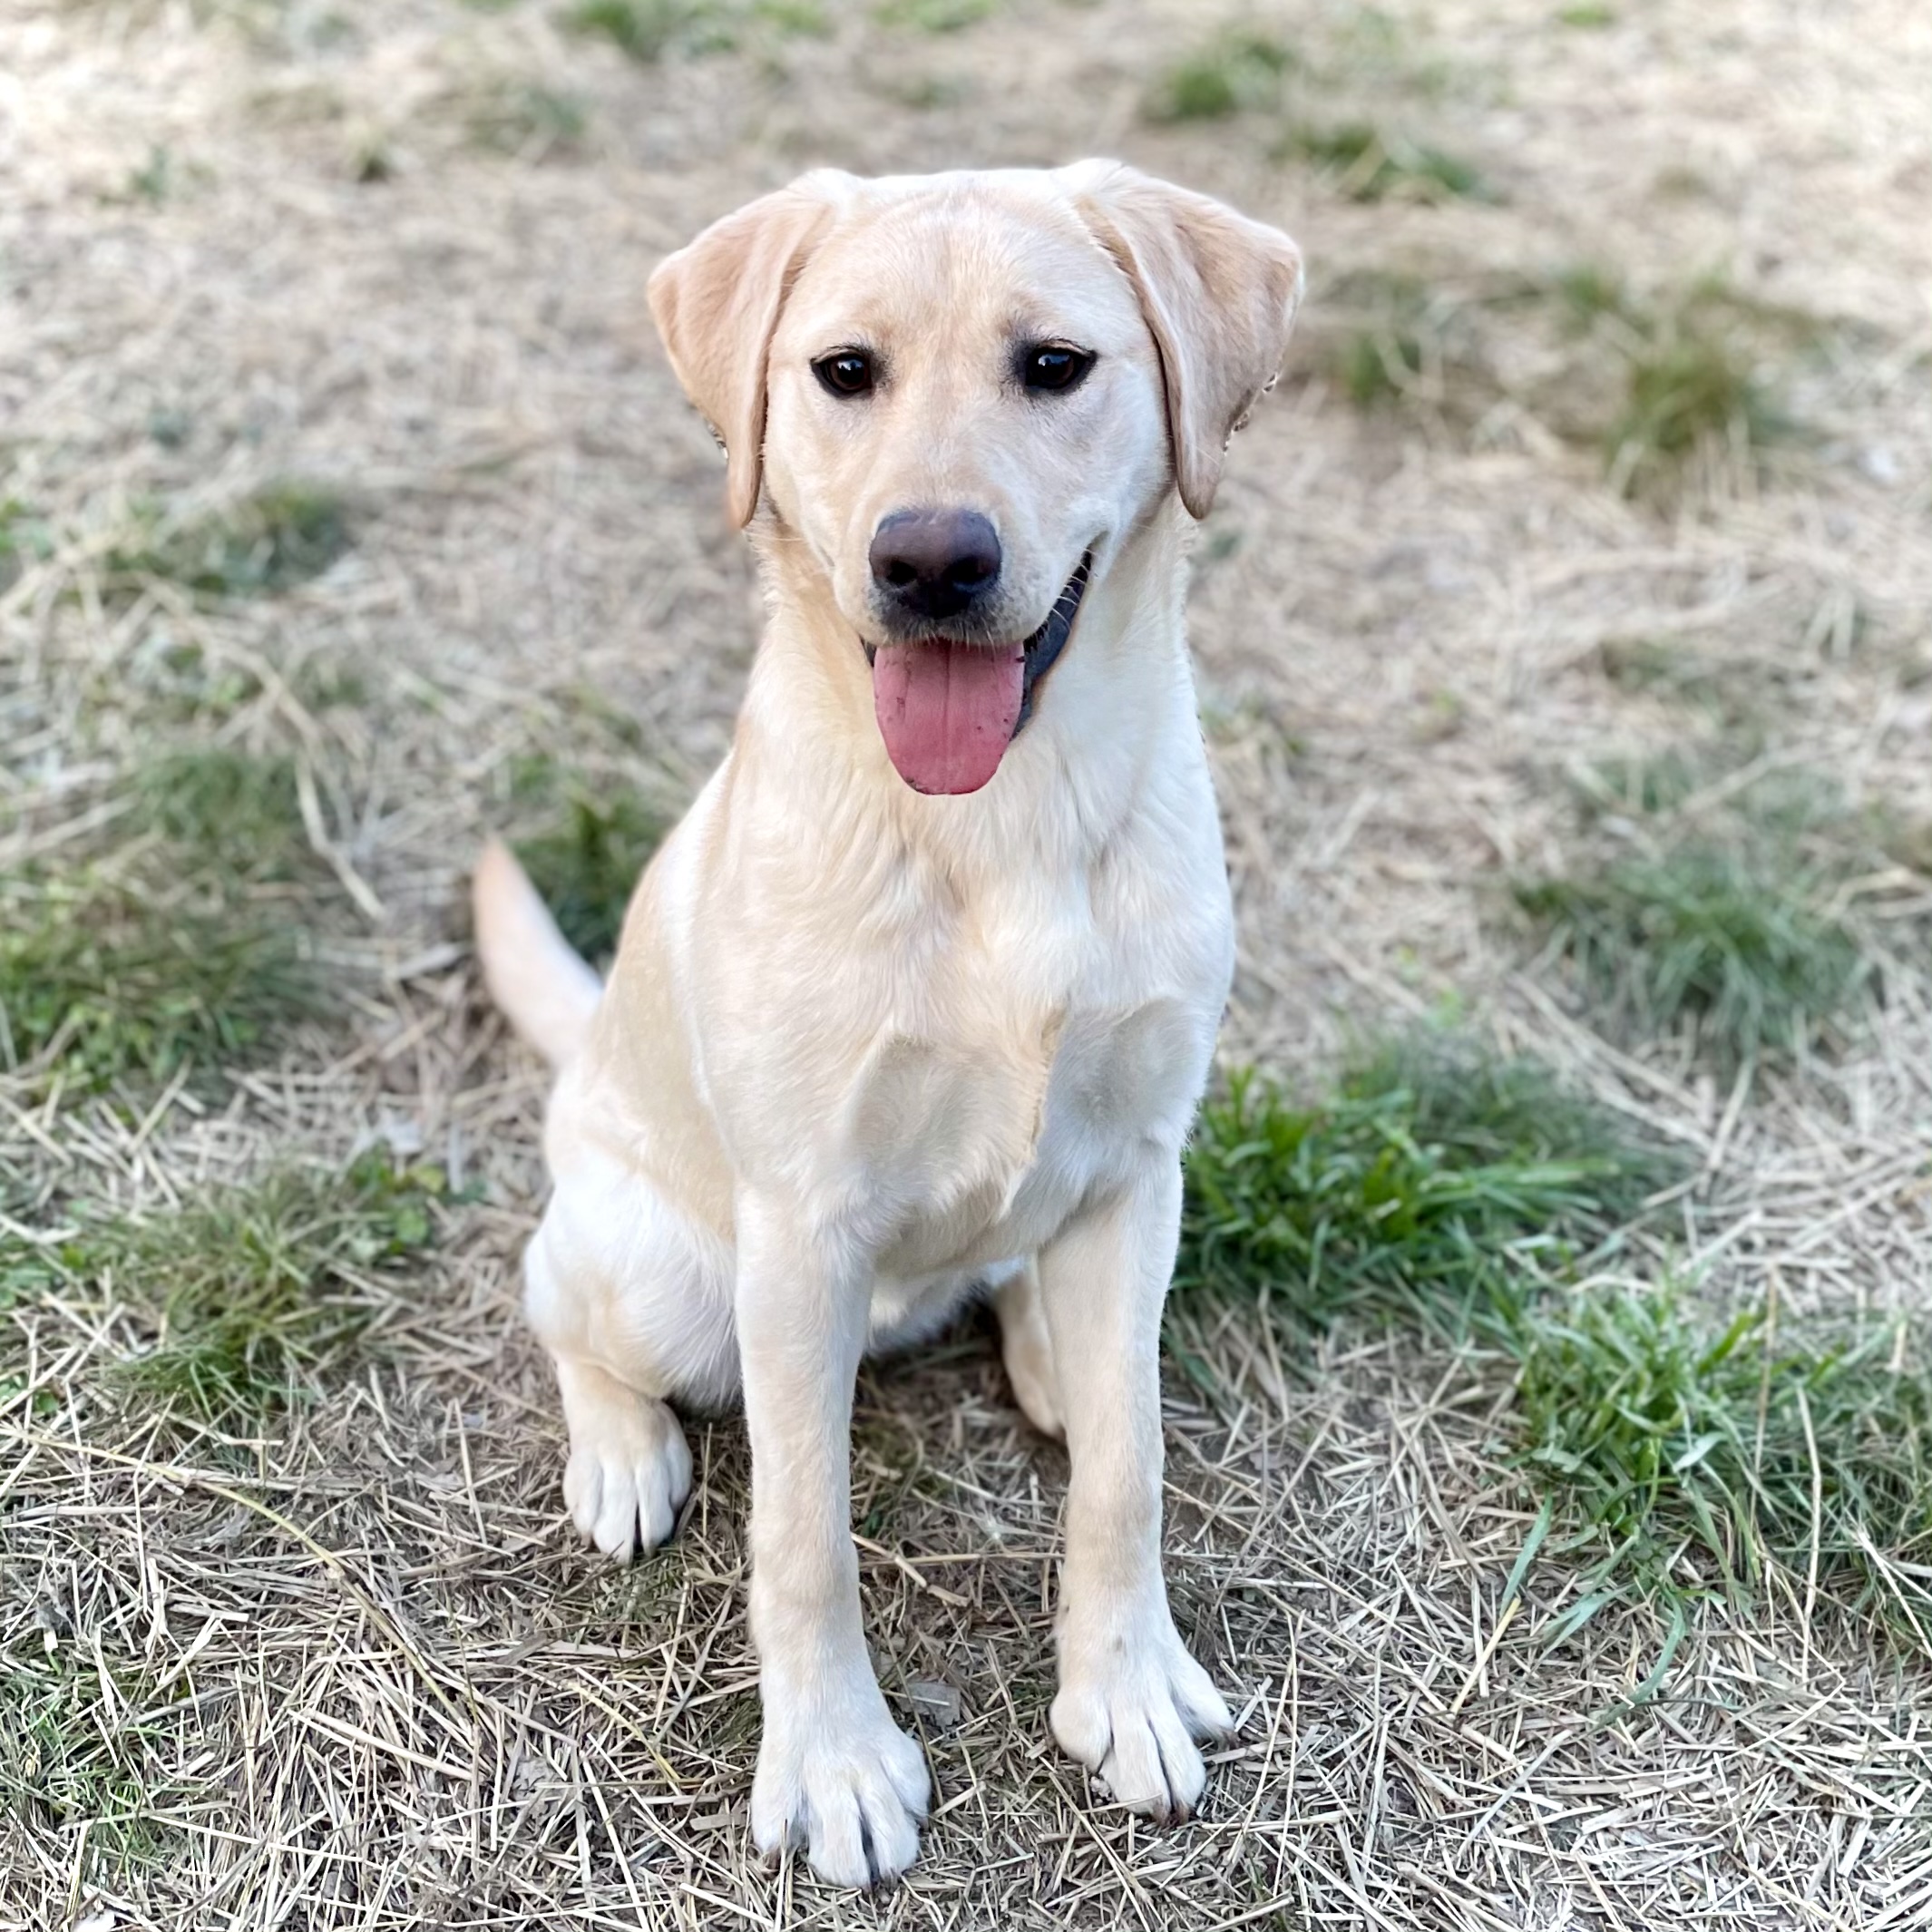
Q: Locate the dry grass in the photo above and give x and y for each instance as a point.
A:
(336, 1662)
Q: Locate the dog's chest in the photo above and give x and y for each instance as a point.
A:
(1044, 1049)
(973, 1150)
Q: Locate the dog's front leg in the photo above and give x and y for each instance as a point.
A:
(1131, 1701)
(834, 1774)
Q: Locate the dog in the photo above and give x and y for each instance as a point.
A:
(919, 999)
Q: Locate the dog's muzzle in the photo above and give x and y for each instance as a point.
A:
(947, 710)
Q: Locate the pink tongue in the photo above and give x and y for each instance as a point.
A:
(947, 711)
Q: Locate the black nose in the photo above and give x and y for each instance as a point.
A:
(935, 563)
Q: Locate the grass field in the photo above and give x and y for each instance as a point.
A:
(1550, 1391)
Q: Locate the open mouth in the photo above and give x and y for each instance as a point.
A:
(948, 710)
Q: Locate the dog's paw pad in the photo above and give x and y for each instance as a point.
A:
(1132, 1712)
(849, 1793)
(627, 1476)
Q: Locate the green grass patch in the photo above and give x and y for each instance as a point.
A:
(1692, 1460)
(1379, 366)
(934, 17)
(1370, 164)
(1661, 668)
(531, 122)
(105, 982)
(1764, 805)
(88, 1745)
(1435, 1185)
(237, 812)
(1716, 915)
(25, 538)
(1648, 784)
(1675, 1459)
(586, 855)
(648, 30)
(1250, 70)
(800, 19)
(176, 956)
(1689, 386)
(248, 1300)
(1230, 75)
(154, 181)
(1587, 292)
(1731, 946)
(266, 544)
(1695, 370)
(179, 682)
(1659, 385)
(1666, 385)
(644, 29)
(1389, 338)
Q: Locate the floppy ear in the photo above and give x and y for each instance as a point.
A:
(716, 302)
(1219, 293)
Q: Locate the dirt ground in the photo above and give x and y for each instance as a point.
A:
(399, 246)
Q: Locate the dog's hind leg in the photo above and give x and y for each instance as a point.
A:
(634, 1309)
(1027, 1346)
(630, 1468)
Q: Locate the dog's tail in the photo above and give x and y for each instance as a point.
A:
(545, 990)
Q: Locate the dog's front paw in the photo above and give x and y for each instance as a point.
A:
(629, 1469)
(838, 1777)
(1131, 1704)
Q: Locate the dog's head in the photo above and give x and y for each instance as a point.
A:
(962, 392)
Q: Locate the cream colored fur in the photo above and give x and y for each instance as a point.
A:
(864, 1051)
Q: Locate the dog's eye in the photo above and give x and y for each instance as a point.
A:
(1054, 366)
(845, 372)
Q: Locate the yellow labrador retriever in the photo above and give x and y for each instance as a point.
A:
(919, 997)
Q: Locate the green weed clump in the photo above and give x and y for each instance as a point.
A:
(1676, 1460)
(648, 30)
(1695, 370)
(1435, 1185)
(105, 981)
(1690, 384)
(643, 29)
(1372, 165)
(803, 19)
(266, 544)
(932, 16)
(529, 122)
(1692, 1462)
(73, 1753)
(249, 1299)
(586, 861)
(24, 538)
(1663, 385)
(173, 958)
(1398, 340)
(1665, 668)
(1729, 943)
(1235, 73)
(1589, 292)
(1378, 365)
(235, 813)
(1768, 807)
